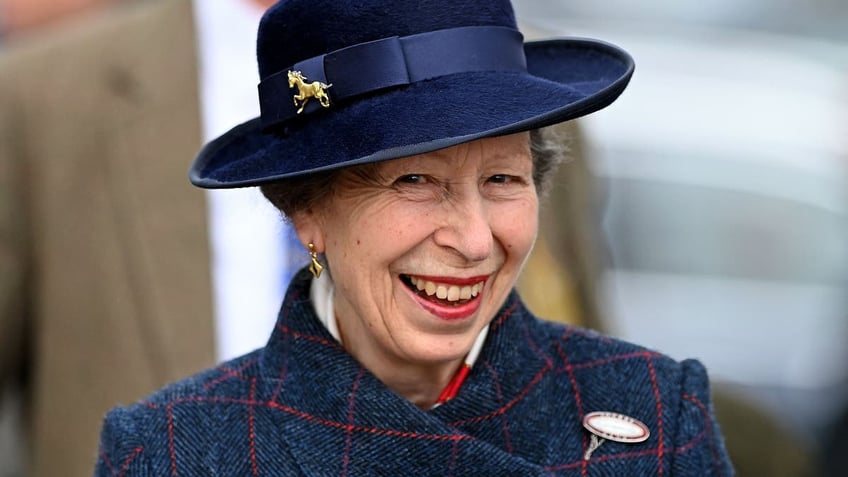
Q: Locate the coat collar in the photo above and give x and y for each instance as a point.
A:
(337, 404)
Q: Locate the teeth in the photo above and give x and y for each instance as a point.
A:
(430, 287)
(447, 292)
(465, 293)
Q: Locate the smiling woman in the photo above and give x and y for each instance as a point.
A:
(405, 239)
(406, 143)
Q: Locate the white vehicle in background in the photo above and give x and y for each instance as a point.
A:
(724, 168)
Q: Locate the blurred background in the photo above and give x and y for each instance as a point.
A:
(722, 177)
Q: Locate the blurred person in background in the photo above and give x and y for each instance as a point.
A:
(104, 271)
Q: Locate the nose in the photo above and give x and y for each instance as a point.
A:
(466, 228)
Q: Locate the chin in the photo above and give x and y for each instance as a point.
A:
(438, 349)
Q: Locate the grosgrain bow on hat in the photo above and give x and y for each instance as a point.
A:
(347, 82)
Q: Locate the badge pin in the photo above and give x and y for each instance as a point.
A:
(306, 90)
(615, 427)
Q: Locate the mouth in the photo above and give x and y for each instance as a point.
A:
(453, 292)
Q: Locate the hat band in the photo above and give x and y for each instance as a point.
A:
(391, 62)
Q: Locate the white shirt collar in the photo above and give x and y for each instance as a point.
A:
(321, 293)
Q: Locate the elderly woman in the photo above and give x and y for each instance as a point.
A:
(402, 140)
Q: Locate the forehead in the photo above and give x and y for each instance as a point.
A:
(511, 148)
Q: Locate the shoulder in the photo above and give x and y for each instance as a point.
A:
(582, 349)
(614, 371)
(671, 397)
(229, 378)
(143, 434)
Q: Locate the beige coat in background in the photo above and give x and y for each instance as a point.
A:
(104, 265)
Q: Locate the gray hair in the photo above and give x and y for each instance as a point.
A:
(549, 149)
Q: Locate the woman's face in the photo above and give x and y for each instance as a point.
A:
(425, 252)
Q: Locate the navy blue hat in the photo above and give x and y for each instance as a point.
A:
(347, 82)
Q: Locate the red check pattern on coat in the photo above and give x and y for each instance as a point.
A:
(302, 406)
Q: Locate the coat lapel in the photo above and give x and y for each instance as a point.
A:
(336, 418)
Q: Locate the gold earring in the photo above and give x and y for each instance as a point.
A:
(315, 267)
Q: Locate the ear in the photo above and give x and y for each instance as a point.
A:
(309, 228)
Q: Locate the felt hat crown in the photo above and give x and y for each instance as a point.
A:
(347, 82)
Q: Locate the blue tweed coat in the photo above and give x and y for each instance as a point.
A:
(302, 406)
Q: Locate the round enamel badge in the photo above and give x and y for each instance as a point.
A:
(616, 427)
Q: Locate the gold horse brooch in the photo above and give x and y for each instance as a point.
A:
(306, 90)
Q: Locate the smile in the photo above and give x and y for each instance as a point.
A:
(455, 293)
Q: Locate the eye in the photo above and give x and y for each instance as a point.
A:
(412, 179)
(501, 179)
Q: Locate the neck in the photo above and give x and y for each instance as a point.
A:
(419, 383)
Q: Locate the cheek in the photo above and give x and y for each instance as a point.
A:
(396, 230)
(516, 230)
(377, 239)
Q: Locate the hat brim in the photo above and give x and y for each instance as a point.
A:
(565, 79)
